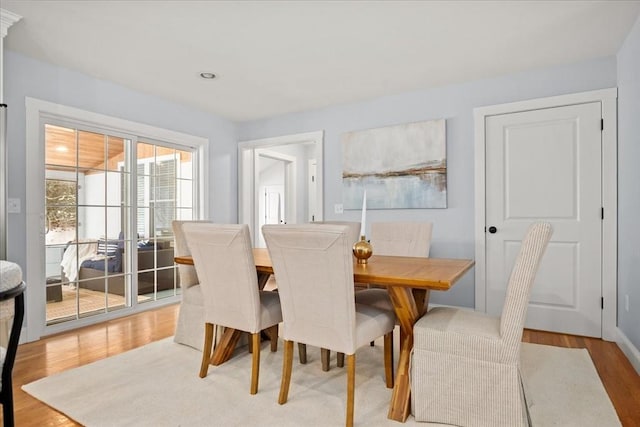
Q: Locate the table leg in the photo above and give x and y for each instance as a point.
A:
(263, 278)
(407, 312)
(226, 346)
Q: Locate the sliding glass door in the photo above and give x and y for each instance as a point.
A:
(110, 200)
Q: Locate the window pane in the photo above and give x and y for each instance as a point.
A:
(91, 150)
(60, 146)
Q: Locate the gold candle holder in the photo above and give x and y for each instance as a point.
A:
(362, 250)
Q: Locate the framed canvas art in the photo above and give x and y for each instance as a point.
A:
(401, 167)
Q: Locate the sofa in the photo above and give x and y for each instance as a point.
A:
(92, 278)
(109, 260)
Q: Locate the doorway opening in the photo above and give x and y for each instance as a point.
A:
(280, 181)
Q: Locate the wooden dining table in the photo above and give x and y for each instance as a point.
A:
(408, 280)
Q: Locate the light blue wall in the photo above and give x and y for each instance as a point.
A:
(26, 77)
(453, 233)
(628, 188)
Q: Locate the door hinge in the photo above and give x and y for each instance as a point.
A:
(601, 124)
(602, 213)
(313, 218)
(602, 303)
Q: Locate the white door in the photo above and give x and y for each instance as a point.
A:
(270, 209)
(311, 179)
(546, 165)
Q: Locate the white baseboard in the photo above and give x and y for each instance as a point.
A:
(627, 347)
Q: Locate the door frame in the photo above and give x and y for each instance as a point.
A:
(608, 100)
(247, 191)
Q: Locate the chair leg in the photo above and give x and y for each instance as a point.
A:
(325, 355)
(351, 384)
(287, 363)
(273, 337)
(206, 349)
(340, 359)
(255, 368)
(388, 359)
(302, 353)
(7, 404)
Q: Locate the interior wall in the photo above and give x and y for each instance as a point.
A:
(628, 189)
(26, 77)
(453, 233)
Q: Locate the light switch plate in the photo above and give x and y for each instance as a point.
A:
(13, 205)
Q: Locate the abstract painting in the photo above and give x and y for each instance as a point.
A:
(401, 167)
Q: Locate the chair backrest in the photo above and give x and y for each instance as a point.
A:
(354, 228)
(186, 273)
(401, 238)
(313, 265)
(223, 259)
(522, 276)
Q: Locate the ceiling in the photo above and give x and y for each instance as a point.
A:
(276, 57)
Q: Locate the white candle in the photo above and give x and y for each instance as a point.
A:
(364, 213)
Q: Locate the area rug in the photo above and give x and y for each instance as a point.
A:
(158, 385)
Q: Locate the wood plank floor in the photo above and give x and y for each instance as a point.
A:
(71, 349)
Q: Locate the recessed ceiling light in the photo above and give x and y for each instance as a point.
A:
(207, 75)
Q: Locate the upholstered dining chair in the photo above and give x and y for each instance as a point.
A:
(223, 258)
(190, 324)
(465, 367)
(313, 265)
(11, 313)
(395, 239)
(325, 354)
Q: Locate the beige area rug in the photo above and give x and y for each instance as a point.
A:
(158, 385)
(88, 301)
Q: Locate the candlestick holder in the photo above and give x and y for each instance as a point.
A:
(362, 250)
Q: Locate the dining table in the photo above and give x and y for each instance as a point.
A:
(409, 281)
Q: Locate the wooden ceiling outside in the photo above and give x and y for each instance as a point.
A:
(94, 151)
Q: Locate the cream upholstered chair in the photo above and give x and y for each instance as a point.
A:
(190, 325)
(353, 236)
(11, 316)
(314, 268)
(395, 239)
(223, 258)
(465, 368)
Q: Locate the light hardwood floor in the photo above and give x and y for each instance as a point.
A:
(71, 349)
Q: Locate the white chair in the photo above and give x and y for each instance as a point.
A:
(395, 239)
(465, 368)
(223, 258)
(11, 314)
(190, 324)
(313, 265)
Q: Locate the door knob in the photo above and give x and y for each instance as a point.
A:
(492, 229)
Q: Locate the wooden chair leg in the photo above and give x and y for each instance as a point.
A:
(255, 368)
(273, 337)
(388, 359)
(325, 355)
(250, 343)
(206, 349)
(302, 353)
(340, 359)
(287, 363)
(351, 384)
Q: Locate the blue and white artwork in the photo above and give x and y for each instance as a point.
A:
(401, 167)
